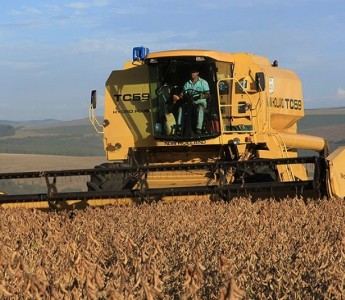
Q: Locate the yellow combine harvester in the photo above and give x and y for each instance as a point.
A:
(251, 115)
(195, 122)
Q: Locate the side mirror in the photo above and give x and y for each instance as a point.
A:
(94, 99)
(260, 81)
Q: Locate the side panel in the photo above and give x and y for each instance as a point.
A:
(285, 101)
(336, 162)
(127, 112)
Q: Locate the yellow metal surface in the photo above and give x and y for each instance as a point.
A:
(301, 141)
(70, 204)
(221, 56)
(336, 161)
(38, 205)
(127, 111)
(78, 204)
(178, 179)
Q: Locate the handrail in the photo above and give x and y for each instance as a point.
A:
(283, 148)
(94, 121)
(231, 105)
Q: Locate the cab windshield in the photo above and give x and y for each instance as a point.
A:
(184, 98)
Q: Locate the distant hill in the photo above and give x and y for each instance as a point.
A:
(326, 123)
(326, 111)
(31, 122)
(53, 137)
(58, 123)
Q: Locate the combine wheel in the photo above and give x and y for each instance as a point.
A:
(257, 174)
(106, 182)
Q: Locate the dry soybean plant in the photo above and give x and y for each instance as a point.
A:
(241, 249)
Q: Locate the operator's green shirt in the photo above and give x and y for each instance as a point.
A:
(200, 86)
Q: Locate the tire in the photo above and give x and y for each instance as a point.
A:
(260, 174)
(106, 182)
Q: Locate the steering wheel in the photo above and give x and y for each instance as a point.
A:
(191, 94)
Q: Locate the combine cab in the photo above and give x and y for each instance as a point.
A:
(245, 143)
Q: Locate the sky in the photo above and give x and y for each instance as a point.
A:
(53, 53)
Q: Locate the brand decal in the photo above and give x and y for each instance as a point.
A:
(132, 97)
(286, 103)
(184, 143)
(131, 111)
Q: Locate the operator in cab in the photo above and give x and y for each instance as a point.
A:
(198, 90)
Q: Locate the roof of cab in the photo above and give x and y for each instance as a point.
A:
(217, 55)
(191, 52)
